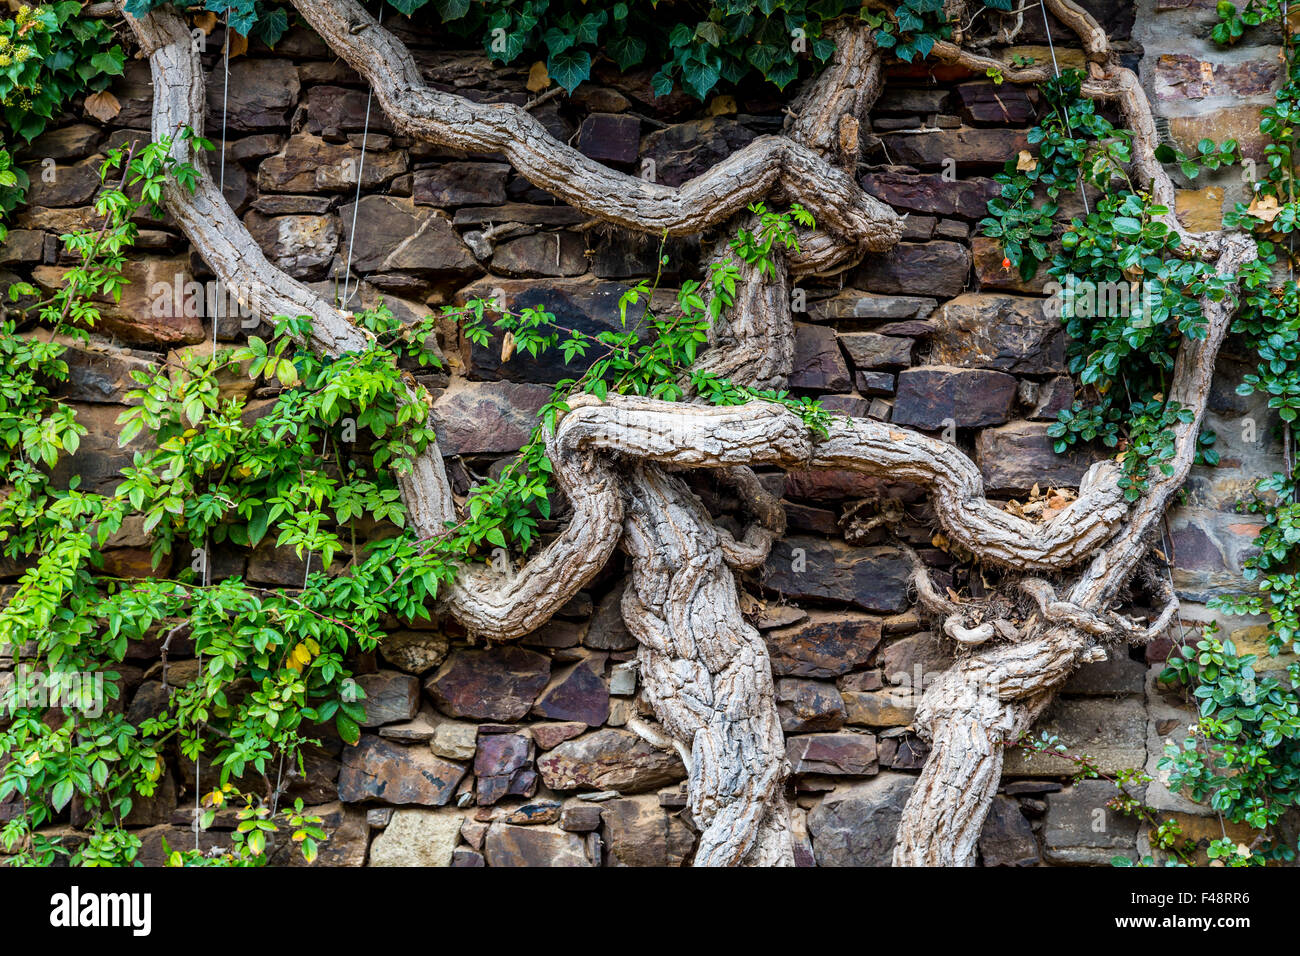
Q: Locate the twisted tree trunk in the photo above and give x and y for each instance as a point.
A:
(705, 671)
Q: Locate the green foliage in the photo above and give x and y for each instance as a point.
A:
(1243, 754)
(48, 54)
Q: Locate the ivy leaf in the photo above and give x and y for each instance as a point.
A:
(569, 68)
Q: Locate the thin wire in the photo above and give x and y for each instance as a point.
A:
(361, 168)
(1083, 192)
(216, 320)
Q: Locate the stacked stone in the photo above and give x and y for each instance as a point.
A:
(477, 755)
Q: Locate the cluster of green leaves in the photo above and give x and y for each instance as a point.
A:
(48, 54)
(1243, 754)
(262, 20)
(694, 46)
(1233, 22)
(1127, 294)
(909, 30)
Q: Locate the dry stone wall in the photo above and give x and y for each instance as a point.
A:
(520, 755)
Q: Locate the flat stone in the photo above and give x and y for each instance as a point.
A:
(916, 660)
(508, 845)
(636, 831)
(1181, 76)
(818, 362)
(856, 824)
(414, 651)
(580, 817)
(834, 754)
(1007, 838)
(608, 631)
(542, 254)
(1018, 456)
(1002, 103)
(259, 95)
(987, 255)
(609, 759)
(306, 164)
(461, 184)
(577, 692)
(99, 373)
(825, 644)
(549, 735)
(871, 578)
(1112, 732)
(393, 234)
(536, 813)
(72, 185)
(930, 193)
(870, 350)
(1081, 828)
(942, 396)
(941, 268)
(808, 705)
(487, 417)
(1010, 333)
(684, 150)
(336, 109)
(417, 838)
(390, 696)
(150, 312)
(854, 304)
(967, 146)
(66, 142)
(377, 769)
(1239, 122)
(419, 729)
(588, 306)
(498, 683)
(893, 707)
(610, 138)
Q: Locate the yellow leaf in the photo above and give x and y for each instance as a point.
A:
(1264, 207)
(103, 105)
(238, 44)
(538, 78)
(507, 346)
(1025, 161)
(205, 20)
(722, 106)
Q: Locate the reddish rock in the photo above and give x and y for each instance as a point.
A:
(577, 693)
(487, 417)
(1004, 104)
(841, 754)
(503, 766)
(497, 683)
(378, 769)
(991, 274)
(550, 735)
(610, 138)
(930, 193)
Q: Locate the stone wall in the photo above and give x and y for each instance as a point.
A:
(519, 755)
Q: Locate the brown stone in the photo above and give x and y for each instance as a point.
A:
(508, 845)
(930, 193)
(549, 735)
(1010, 333)
(1018, 456)
(870, 350)
(826, 644)
(636, 831)
(487, 417)
(542, 254)
(498, 683)
(150, 311)
(307, 164)
(893, 707)
(940, 267)
(461, 184)
(576, 693)
(414, 651)
(966, 146)
(609, 759)
(839, 754)
(378, 769)
(259, 93)
(808, 705)
(1234, 122)
(818, 363)
(610, 138)
(1006, 838)
(390, 697)
(872, 578)
(302, 246)
(395, 234)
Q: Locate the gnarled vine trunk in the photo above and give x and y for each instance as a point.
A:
(705, 671)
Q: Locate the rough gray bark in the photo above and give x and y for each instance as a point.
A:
(705, 671)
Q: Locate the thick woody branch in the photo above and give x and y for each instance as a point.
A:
(746, 176)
